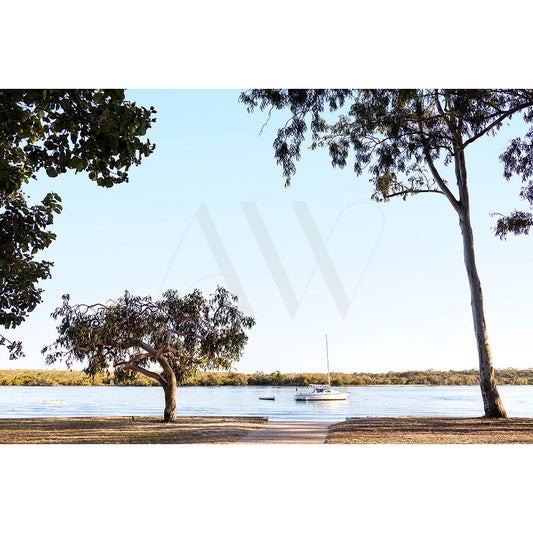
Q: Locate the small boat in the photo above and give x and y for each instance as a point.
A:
(267, 397)
(321, 392)
(54, 402)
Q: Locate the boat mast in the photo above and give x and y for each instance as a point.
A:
(327, 359)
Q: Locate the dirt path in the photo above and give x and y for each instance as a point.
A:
(288, 433)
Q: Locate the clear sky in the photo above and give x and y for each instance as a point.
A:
(209, 207)
(411, 309)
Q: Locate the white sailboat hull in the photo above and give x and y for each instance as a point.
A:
(315, 392)
(321, 395)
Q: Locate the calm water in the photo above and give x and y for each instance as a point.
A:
(19, 402)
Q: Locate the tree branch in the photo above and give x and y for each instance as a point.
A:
(184, 334)
(495, 123)
(435, 173)
(267, 120)
(153, 375)
(503, 115)
(443, 115)
(458, 155)
(148, 348)
(165, 365)
(133, 360)
(413, 191)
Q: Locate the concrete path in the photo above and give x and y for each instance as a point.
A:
(288, 433)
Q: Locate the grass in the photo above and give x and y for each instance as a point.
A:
(222, 430)
(431, 430)
(124, 430)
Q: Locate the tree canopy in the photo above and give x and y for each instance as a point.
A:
(397, 136)
(131, 334)
(93, 131)
(405, 140)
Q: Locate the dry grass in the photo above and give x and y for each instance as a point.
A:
(204, 430)
(123, 430)
(431, 430)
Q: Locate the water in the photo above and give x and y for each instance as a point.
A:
(27, 402)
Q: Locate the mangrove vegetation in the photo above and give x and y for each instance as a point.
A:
(507, 376)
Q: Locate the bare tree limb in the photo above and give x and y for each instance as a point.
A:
(131, 361)
(508, 113)
(184, 334)
(435, 173)
(413, 191)
(153, 375)
(152, 351)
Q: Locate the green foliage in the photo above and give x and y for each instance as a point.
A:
(518, 222)
(507, 376)
(399, 138)
(64, 378)
(22, 235)
(179, 333)
(94, 131)
(82, 130)
(395, 136)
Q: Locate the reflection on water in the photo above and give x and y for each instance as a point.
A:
(19, 402)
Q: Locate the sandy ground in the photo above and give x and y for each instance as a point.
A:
(431, 430)
(126, 430)
(288, 433)
(255, 430)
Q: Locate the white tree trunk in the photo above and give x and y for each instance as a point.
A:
(492, 402)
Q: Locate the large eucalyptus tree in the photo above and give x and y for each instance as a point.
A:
(180, 334)
(412, 142)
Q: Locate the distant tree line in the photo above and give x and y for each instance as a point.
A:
(507, 376)
(65, 378)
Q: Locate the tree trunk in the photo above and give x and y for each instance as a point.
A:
(492, 402)
(169, 386)
(170, 401)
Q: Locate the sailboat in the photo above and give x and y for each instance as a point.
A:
(321, 392)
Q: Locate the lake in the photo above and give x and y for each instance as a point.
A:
(27, 402)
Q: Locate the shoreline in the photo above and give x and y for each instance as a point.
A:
(235, 429)
(127, 430)
(431, 430)
(186, 385)
(412, 378)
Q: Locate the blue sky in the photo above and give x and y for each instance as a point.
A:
(411, 309)
(400, 263)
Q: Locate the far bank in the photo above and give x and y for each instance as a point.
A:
(508, 376)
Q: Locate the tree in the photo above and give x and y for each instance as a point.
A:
(180, 334)
(95, 131)
(406, 140)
